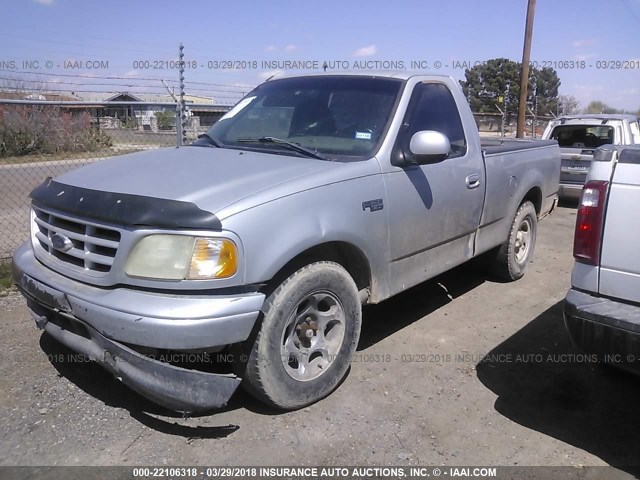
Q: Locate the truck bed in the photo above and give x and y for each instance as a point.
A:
(494, 146)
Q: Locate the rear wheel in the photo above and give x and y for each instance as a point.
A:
(516, 252)
(309, 332)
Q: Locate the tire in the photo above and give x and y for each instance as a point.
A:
(513, 256)
(309, 332)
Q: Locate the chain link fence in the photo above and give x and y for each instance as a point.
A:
(45, 139)
(497, 125)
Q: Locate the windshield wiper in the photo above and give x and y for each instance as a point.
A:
(210, 139)
(293, 146)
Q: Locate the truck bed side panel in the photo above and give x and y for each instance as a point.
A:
(620, 259)
(510, 175)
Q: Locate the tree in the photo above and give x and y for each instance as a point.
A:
(568, 105)
(497, 82)
(22, 89)
(491, 83)
(166, 120)
(598, 106)
(543, 90)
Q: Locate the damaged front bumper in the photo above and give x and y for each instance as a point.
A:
(101, 323)
(172, 387)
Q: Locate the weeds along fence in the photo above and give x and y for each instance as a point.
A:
(40, 139)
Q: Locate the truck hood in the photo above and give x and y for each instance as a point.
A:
(212, 178)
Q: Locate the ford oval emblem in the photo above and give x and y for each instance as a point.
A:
(61, 243)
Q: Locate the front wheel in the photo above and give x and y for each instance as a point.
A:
(309, 332)
(516, 252)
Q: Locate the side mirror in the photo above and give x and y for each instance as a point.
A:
(429, 146)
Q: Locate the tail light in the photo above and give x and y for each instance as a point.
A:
(588, 237)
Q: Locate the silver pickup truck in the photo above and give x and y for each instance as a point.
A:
(602, 309)
(312, 196)
(579, 136)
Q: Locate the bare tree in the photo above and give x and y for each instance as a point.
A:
(598, 106)
(16, 87)
(568, 105)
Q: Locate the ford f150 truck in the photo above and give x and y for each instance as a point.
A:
(312, 196)
(579, 136)
(602, 309)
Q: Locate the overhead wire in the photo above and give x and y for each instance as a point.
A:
(114, 77)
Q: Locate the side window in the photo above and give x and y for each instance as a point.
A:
(635, 132)
(434, 108)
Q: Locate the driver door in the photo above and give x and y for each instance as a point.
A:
(434, 209)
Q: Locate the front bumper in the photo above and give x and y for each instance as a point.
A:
(100, 320)
(604, 327)
(149, 319)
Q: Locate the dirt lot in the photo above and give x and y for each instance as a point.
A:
(419, 392)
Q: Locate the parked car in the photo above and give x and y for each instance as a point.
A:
(312, 196)
(602, 309)
(579, 136)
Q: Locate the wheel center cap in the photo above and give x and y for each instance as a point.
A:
(306, 331)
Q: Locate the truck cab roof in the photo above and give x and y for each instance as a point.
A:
(591, 117)
(399, 74)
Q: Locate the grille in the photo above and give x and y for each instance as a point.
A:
(93, 248)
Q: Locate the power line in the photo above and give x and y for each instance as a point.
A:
(243, 88)
(129, 85)
(38, 90)
(31, 89)
(633, 14)
(97, 77)
(83, 76)
(94, 84)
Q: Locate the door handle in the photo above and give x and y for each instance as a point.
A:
(473, 181)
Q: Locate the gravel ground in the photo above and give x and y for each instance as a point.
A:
(458, 371)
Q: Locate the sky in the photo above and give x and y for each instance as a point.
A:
(232, 46)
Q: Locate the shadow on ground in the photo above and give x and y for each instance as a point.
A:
(569, 202)
(556, 390)
(400, 311)
(404, 309)
(97, 382)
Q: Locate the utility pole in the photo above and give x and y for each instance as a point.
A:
(524, 74)
(169, 91)
(177, 117)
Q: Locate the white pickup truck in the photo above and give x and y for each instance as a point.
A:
(602, 309)
(579, 136)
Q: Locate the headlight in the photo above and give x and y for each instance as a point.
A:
(179, 257)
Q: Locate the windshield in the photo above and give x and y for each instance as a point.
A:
(583, 136)
(333, 116)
